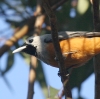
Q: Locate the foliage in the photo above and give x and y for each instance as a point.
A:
(71, 16)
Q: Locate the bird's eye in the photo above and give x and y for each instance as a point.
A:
(31, 40)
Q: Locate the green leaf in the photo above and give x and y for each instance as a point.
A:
(7, 82)
(9, 65)
(81, 98)
(82, 6)
(10, 61)
(79, 75)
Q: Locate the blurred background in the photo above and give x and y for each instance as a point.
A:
(20, 19)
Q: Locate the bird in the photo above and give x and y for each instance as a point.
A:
(77, 47)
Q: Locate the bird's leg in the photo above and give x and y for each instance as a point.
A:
(64, 73)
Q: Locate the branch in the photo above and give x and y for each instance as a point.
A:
(96, 15)
(37, 29)
(97, 57)
(32, 76)
(19, 34)
(33, 63)
(61, 2)
(58, 53)
(13, 40)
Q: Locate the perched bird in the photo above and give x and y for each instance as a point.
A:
(77, 47)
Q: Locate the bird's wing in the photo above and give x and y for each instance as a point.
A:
(70, 34)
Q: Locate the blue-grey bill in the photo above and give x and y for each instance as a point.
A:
(19, 49)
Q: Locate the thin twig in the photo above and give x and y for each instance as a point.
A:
(58, 53)
(13, 39)
(32, 76)
(97, 57)
(33, 63)
(96, 14)
(61, 2)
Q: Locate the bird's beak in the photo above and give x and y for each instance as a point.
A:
(29, 49)
(20, 49)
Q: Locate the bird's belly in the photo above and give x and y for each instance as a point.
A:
(76, 51)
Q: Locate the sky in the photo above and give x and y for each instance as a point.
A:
(18, 78)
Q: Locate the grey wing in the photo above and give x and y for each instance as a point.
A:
(70, 34)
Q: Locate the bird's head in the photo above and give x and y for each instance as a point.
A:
(28, 47)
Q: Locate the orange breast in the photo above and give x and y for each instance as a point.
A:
(77, 50)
